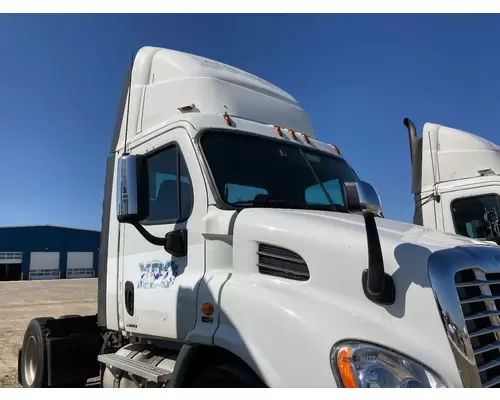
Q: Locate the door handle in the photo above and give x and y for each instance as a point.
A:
(129, 298)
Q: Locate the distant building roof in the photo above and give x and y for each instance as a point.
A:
(48, 225)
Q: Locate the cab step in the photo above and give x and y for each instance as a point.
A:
(139, 368)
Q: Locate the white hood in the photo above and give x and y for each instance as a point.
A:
(332, 300)
(292, 227)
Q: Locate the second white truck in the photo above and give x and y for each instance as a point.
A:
(455, 181)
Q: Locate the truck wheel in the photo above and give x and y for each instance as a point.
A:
(70, 316)
(33, 370)
(232, 375)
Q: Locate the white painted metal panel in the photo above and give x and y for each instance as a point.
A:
(44, 265)
(80, 264)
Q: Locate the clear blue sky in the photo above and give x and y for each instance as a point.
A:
(357, 76)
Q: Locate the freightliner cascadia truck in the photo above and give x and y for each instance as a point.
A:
(455, 181)
(239, 250)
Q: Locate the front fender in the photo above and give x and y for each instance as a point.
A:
(286, 332)
(229, 339)
(270, 332)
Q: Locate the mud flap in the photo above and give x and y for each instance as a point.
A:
(72, 359)
(73, 345)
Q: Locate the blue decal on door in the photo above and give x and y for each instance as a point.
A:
(157, 274)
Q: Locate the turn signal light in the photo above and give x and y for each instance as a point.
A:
(345, 370)
(207, 309)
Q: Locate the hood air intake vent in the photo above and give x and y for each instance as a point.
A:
(276, 261)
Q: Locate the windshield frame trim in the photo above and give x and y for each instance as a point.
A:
(219, 201)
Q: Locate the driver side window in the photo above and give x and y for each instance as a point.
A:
(170, 192)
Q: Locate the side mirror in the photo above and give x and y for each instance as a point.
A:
(133, 204)
(132, 189)
(377, 285)
(361, 197)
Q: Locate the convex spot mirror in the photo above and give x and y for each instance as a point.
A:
(362, 197)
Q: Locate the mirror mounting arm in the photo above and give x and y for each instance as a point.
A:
(174, 243)
(157, 241)
(377, 285)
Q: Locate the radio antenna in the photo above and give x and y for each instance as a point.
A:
(128, 102)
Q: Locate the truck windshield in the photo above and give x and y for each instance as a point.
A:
(255, 171)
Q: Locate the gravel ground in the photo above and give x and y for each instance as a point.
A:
(24, 300)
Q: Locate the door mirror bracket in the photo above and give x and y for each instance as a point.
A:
(174, 243)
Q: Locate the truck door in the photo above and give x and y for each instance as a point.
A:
(472, 212)
(158, 291)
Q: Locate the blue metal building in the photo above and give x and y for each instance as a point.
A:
(48, 252)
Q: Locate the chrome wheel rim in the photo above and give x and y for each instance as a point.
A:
(30, 361)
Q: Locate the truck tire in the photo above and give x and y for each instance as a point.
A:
(33, 356)
(233, 375)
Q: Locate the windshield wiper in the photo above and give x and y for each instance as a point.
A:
(271, 203)
(332, 205)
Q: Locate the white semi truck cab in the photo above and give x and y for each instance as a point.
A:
(455, 181)
(238, 250)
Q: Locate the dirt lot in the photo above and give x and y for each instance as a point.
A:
(24, 300)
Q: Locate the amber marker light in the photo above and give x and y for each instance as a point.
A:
(227, 118)
(336, 149)
(207, 309)
(306, 138)
(344, 365)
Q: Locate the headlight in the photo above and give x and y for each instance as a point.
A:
(360, 365)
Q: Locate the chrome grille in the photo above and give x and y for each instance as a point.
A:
(465, 281)
(479, 295)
